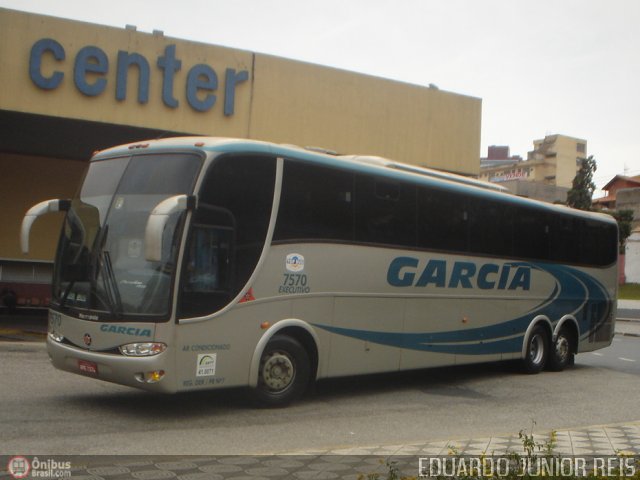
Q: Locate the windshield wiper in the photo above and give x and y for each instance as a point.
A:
(74, 222)
(111, 286)
(67, 290)
(101, 262)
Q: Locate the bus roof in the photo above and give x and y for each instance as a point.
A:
(363, 163)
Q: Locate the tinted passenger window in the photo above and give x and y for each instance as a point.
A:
(385, 212)
(564, 240)
(490, 228)
(599, 242)
(316, 203)
(442, 220)
(531, 234)
(325, 204)
(209, 267)
(228, 232)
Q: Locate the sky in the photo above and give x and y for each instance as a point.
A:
(541, 67)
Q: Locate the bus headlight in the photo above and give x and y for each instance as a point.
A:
(56, 337)
(146, 349)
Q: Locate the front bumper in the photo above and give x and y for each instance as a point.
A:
(112, 367)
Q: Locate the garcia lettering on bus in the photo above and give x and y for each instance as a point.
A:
(137, 332)
(407, 272)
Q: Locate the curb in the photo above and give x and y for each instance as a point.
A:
(18, 335)
(606, 439)
(628, 334)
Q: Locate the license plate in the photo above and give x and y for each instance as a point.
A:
(88, 368)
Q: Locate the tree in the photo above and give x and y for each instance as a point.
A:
(583, 187)
(624, 219)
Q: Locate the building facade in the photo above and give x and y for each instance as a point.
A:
(622, 193)
(618, 184)
(70, 88)
(499, 156)
(551, 166)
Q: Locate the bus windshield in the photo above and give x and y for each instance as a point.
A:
(100, 266)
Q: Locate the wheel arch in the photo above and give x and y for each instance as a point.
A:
(294, 328)
(539, 320)
(570, 322)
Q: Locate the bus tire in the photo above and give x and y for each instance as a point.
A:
(537, 351)
(561, 354)
(284, 372)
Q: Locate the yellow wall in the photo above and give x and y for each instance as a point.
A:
(311, 105)
(27, 181)
(282, 100)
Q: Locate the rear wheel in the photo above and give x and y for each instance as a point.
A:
(537, 350)
(561, 354)
(284, 372)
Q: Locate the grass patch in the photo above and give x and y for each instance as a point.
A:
(629, 291)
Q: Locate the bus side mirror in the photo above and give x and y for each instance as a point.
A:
(158, 220)
(42, 208)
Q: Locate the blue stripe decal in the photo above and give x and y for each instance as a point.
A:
(575, 293)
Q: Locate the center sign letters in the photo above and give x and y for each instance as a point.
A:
(91, 66)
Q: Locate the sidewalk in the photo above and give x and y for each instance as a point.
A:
(629, 328)
(592, 440)
(628, 310)
(601, 444)
(628, 304)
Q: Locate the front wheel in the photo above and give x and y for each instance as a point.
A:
(284, 372)
(537, 350)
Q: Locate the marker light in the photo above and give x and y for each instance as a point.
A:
(150, 377)
(147, 349)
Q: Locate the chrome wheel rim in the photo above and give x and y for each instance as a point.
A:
(536, 352)
(562, 348)
(278, 371)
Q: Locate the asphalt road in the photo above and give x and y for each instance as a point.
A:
(623, 356)
(45, 411)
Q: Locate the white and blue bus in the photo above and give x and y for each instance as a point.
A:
(201, 263)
